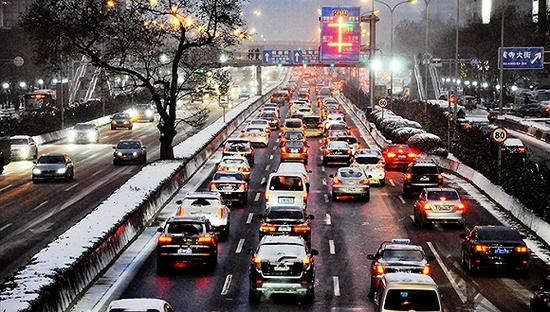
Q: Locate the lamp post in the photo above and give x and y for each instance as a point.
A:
(504, 4)
(427, 42)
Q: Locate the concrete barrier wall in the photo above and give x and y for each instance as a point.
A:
(536, 132)
(68, 284)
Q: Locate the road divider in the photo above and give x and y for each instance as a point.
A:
(61, 134)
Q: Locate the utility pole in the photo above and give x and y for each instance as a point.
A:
(501, 78)
(427, 43)
(455, 109)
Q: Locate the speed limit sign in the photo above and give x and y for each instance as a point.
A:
(499, 135)
(383, 103)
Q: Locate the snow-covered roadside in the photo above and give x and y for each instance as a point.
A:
(61, 134)
(58, 273)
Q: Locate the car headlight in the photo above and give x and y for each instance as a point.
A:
(36, 171)
(148, 113)
(92, 135)
(72, 134)
(61, 170)
(24, 151)
(135, 154)
(119, 154)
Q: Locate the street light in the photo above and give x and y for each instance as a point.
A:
(223, 58)
(5, 85)
(40, 82)
(22, 84)
(163, 58)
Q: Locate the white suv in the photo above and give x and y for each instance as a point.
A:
(407, 292)
(289, 189)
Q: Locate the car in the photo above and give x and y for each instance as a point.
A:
(197, 97)
(439, 205)
(294, 151)
(407, 292)
(231, 185)
(295, 167)
(398, 156)
(130, 151)
(84, 133)
(186, 240)
(292, 135)
(209, 205)
(53, 167)
(540, 302)
(350, 181)
(139, 305)
(303, 93)
(337, 152)
(282, 264)
(122, 120)
(280, 96)
(331, 135)
(239, 147)
(324, 92)
(293, 124)
(296, 115)
(336, 125)
(244, 93)
(330, 101)
(23, 147)
(336, 118)
(235, 163)
(273, 110)
(420, 175)
(372, 163)
(397, 255)
(262, 123)
(513, 147)
(286, 220)
(539, 110)
(272, 118)
(494, 247)
(313, 124)
(351, 140)
(257, 135)
(286, 188)
(143, 112)
(306, 111)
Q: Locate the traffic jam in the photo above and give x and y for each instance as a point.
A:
(300, 171)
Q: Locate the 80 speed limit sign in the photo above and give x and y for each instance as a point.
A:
(499, 135)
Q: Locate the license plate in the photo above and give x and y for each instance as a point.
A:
(353, 189)
(281, 268)
(286, 200)
(338, 153)
(444, 208)
(285, 229)
(401, 156)
(184, 251)
(294, 151)
(227, 188)
(502, 251)
(424, 179)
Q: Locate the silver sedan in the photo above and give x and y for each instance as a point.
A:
(439, 205)
(350, 181)
(53, 167)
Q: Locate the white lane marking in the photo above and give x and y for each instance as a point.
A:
(402, 199)
(519, 290)
(5, 188)
(267, 167)
(226, 285)
(278, 140)
(328, 220)
(96, 173)
(326, 198)
(336, 283)
(331, 247)
(412, 217)
(324, 181)
(391, 182)
(450, 277)
(263, 180)
(323, 168)
(38, 207)
(275, 147)
(239, 246)
(249, 219)
(71, 187)
(271, 156)
(5, 227)
(257, 197)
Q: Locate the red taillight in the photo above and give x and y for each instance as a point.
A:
(165, 239)
(335, 180)
(268, 228)
(365, 182)
(284, 149)
(307, 261)
(408, 176)
(213, 186)
(302, 228)
(257, 262)
(244, 169)
(481, 248)
(440, 176)
(427, 207)
(223, 168)
(411, 155)
(521, 149)
(206, 239)
(427, 270)
(326, 152)
(220, 212)
(460, 206)
(521, 249)
(226, 150)
(378, 269)
(391, 155)
(242, 186)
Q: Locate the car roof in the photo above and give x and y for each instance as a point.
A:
(406, 279)
(493, 228)
(423, 164)
(20, 137)
(439, 189)
(337, 143)
(293, 119)
(234, 158)
(291, 166)
(196, 219)
(399, 246)
(138, 304)
(240, 140)
(206, 195)
(282, 239)
(129, 140)
(513, 142)
(53, 154)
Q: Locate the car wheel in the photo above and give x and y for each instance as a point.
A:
(143, 161)
(367, 197)
(324, 162)
(310, 296)
(35, 181)
(212, 261)
(538, 115)
(383, 182)
(254, 296)
(72, 174)
(471, 268)
(406, 192)
(162, 267)
(113, 128)
(116, 162)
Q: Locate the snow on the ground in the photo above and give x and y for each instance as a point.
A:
(532, 242)
(85, 235)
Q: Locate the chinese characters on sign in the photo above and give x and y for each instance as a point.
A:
(305, 57)
(522, 58)
(283, 57)
(340, 35)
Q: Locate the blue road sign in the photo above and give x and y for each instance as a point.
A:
(283, 57)
(308, 56)
(521, 57)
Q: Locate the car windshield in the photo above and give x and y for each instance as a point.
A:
(51, 160)
(258, 122)
(19, 141)
(129, 145)
(367, 160)
(279, 252)
(121, 116)
(439, 195)
(498, 234)
(425, 170)
(233, 176)
(187, 229)
(293, 124)
(411, 300)
(402, 255)
(84, 127)
(293, 214)
(268, 116)
(286, 183)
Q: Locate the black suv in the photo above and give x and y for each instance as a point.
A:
(232, 186)
(283, 220)
(186, 240)
(421, 175)
(282, 265)
(540, 302)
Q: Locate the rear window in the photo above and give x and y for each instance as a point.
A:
(425, 169)
(285, 214)
(228, 176)
(498, 234)
(294, 135)
(337, 144)
(337, 127)
(293, 124)
(184, 228)
(399, 148)
(285, 183)
(312, 121)
(350, 173)
(19, 141)
(268, 115)
(279, 252)
(402, 255)
(367, 160)
(325, 91)
(438, 195)
(233, 161)
(294, 144)
(411, 300)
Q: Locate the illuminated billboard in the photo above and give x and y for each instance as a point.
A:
(340, 35)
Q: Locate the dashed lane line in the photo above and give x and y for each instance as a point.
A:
(39, 206)
(263, 180)
(239, 246)
(391, 182)
(402, 199)
(257, 197)
(226, 285)
(328, 219)
(323, 169)
(331, 247)
(5, 227)
(71, 187)
(324, 181)
(267, 167)
(6, 187)
(249, 219)
(326, 198)
(336, 283)
(96, 173)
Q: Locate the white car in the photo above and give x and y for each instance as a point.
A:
(373, 164)
(295, 167)
(140, 305)
(286, 189)
(235, 163)
(209, 205)
(335, 118)
(23, 147)
(305, 110)
(257, 135)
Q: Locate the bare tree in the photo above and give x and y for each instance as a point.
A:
(165, 46)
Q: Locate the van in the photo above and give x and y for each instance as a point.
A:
(407, 292)
(295, 167)
(286, 188)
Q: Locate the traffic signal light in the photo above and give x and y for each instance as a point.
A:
(452, 98)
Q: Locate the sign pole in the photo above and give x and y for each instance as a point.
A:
(499, 164)
(500, 59)
(499, 136)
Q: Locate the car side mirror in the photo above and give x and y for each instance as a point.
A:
(311, 217)
(160, 229)
(331, 176)
(114, 147)
(523, 236)
(309, 171)
(430, 258)
(314, 252)
(179, 201)
(370, 257)
(34, 162)
(369, 176)
(463, 235)
(250, 251)
(263, 183)
(143, 147)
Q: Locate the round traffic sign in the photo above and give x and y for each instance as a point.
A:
(383, 103)
(499, 135)
(18, 61)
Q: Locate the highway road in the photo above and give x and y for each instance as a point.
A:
(344, 232)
